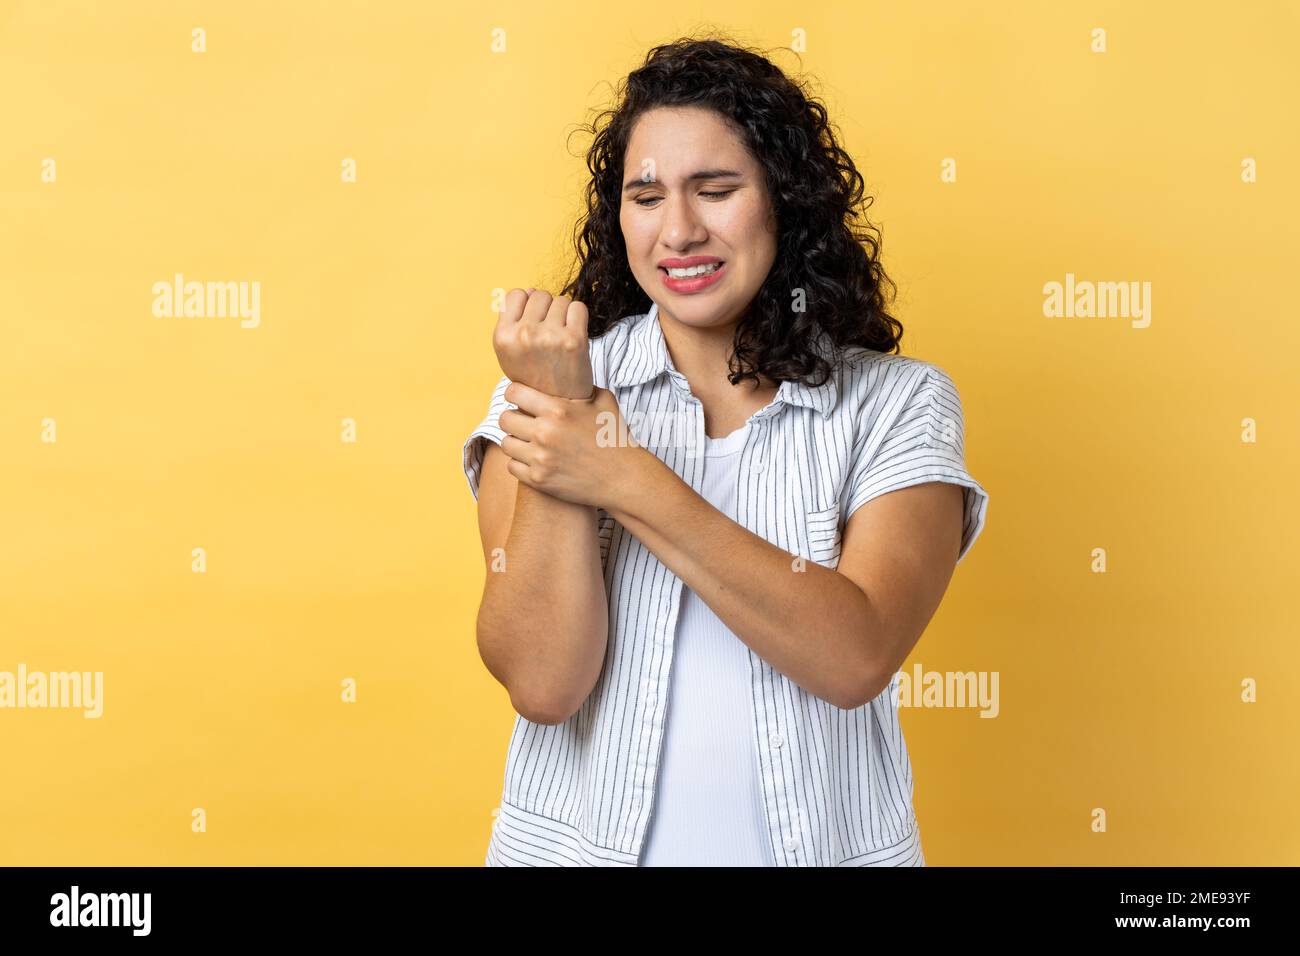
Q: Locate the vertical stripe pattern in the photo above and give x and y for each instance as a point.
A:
(836, 784)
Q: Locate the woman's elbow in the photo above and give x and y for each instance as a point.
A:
(532, 699)
(874, 678)
(861, 685)
(541, 706)
(865, 691)
(543, 714)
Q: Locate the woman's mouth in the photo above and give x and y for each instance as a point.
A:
(692, 279)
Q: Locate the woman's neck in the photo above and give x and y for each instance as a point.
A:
(701, 355)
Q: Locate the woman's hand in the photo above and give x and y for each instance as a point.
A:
(542, 342)
(576, 450)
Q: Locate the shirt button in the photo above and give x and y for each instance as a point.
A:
(758, 465)
(791, 843)
(776, 740)
(650, 702)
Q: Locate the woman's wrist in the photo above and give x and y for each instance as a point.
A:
(558, 390)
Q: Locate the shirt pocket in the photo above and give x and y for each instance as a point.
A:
(822, 534)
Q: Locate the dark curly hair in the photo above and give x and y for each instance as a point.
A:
(825, 245)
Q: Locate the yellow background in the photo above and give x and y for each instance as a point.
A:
(329, 560)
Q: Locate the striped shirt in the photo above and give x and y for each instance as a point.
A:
(836, 784)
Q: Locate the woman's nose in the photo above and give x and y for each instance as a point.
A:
(680, 223)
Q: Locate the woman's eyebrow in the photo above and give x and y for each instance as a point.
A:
(701, 174)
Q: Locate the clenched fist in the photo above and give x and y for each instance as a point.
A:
(541, 342)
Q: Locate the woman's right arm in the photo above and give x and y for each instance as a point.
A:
(543, 621)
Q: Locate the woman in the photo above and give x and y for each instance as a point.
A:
(717, 508)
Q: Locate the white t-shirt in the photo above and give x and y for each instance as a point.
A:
(708, 805)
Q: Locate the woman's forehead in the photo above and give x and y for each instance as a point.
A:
(680, 142)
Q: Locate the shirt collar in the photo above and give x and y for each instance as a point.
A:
(647, 358)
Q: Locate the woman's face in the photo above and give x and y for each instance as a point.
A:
(693, 191)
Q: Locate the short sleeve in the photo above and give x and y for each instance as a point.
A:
(925, 442)
(488, 430)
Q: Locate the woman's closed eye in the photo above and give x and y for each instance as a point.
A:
(719, 195)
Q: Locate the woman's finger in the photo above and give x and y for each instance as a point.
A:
(514, 305)
(517, 449)
(539, 303)
(531, 400)
(517, 423)
(519, 470)
(559, 307)
(576, 318)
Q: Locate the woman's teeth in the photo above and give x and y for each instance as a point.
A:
(694, 270)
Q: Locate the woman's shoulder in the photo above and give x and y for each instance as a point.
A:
(865, 376)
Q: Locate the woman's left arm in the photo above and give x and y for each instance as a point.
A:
(840, 634)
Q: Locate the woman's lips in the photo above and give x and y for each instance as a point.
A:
(693, 284)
